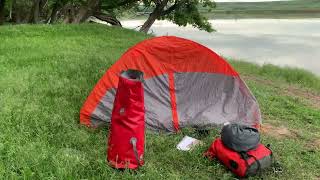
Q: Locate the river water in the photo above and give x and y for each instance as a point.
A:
(283, 42)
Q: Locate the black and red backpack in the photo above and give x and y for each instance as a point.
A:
(240, 151)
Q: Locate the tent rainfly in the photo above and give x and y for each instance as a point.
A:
(186, 85)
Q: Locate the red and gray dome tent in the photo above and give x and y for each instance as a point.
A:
(186, 85)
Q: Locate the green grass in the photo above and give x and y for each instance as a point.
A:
(46, 73)
(287, 75)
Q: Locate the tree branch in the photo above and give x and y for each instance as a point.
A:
(157, 2)
(118, 4)
(170, 9)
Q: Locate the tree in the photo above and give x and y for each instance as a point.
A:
(2, 9)
(180, 12)
(67, 11)
(35, 11)
(103, 9)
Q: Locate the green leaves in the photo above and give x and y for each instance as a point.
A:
(187, 12)
(183, 12)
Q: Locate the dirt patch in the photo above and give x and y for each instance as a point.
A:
(314, 144)
(311, 98)
(258, 80)
(278, 132)
(317, 143)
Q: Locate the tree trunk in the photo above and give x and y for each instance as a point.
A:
(147, 25)
(34, 13)
(42, 5)
(82, 14)
(86, 11)
(53, 16)
(2, 5)
(153, 16)
(70, 13)
(10, 11)
(16, 12)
